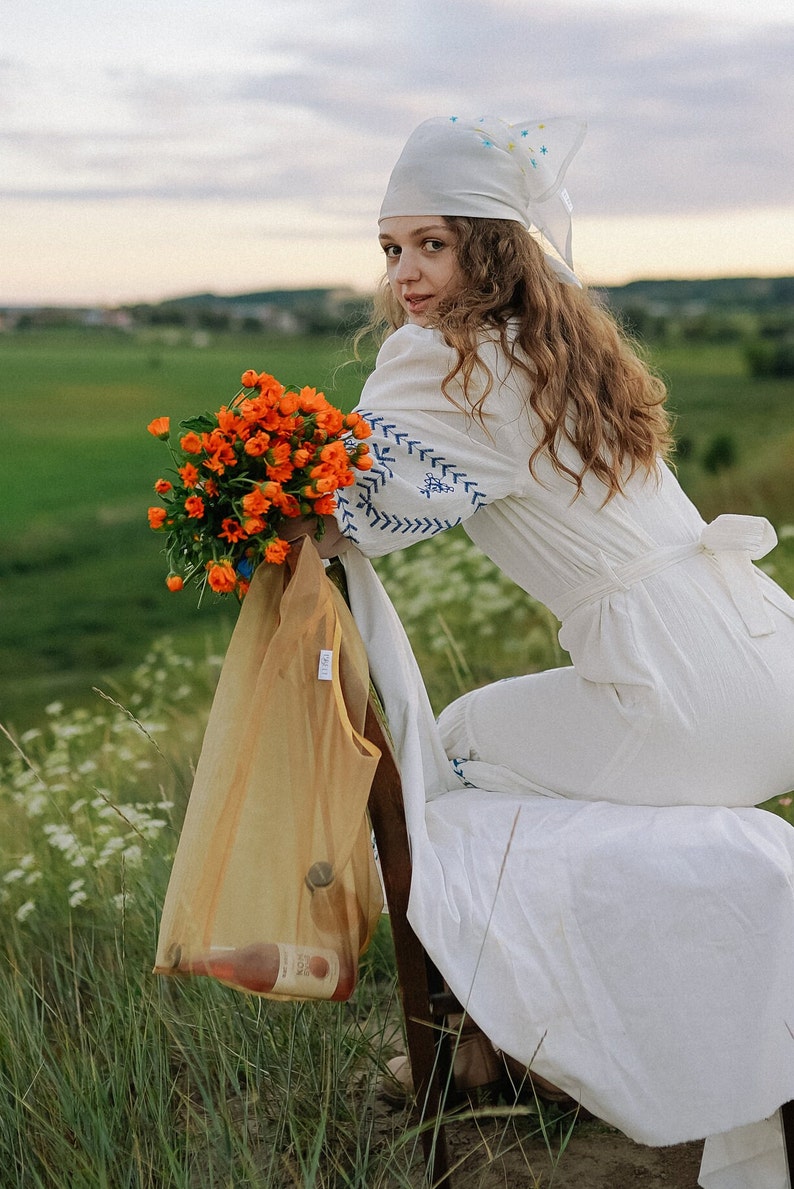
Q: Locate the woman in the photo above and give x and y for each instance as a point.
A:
(505, 398)
(578, 876)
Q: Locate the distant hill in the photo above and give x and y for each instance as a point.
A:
(286, 299)
(756, 294)
(747, 293)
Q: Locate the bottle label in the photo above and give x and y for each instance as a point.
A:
(313, 973)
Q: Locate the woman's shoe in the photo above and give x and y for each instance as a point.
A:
(475, 1064)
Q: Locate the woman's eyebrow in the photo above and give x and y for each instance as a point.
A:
(384, 236)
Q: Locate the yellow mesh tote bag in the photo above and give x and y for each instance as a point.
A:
(274, 887)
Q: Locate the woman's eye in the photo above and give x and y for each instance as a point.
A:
(434, 245)
(392, 251)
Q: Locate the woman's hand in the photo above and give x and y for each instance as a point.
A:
(331, 544)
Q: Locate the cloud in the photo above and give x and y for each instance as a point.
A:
(685, 114)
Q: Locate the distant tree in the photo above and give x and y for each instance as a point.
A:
(770, 357)
(210, 319)
(720, 454)
(684, 448)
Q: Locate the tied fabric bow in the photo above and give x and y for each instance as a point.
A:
(735, 542)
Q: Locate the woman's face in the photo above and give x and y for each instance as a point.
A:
(421, 263)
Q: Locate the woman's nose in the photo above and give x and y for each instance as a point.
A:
(407, 267)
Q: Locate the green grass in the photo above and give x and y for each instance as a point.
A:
(81, 575)
(113, 1078)
(711, 394)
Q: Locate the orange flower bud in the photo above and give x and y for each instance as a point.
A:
(162, 486)
(249, 379)
(160, 428)
(174, 582)
(157, 517)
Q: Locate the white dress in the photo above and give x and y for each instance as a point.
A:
(589, 874)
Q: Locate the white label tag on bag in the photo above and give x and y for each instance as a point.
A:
(325, 670)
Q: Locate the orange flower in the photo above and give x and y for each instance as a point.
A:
(194, 506)
(229, 421)
(302, 455)
(210, 488)
(191, 443)
(162, 486)
(254, 524)
(268, 385)
(232, 530)
(289, 505)
(221, 453)
(157, 517)
(363, 462)
(221, 576)
(360, 428)
(160, 428)
(248, 379)
(189, 475)
(335, 454)
(277, 463)
(257, 444)
(288, 404)
(330, 420)
(277, 551)
(312, 401)
(256, 502)
(325, 505)
(174, 582)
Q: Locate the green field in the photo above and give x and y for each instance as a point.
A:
(82, 577)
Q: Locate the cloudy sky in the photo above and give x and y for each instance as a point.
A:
(150, 148)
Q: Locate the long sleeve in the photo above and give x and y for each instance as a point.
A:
(434, 464)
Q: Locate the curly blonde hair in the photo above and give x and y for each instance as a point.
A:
(587, 383)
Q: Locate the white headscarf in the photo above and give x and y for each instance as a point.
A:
(489, 169)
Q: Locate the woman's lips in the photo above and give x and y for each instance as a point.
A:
(417, 301)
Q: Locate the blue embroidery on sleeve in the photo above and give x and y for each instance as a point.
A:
(444, 481)
(433, 484)
(458, 764)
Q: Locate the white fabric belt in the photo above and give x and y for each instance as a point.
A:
(734, 542)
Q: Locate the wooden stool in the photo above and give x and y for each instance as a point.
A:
(425, 1001)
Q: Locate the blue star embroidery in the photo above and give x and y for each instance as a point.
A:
(453, 119)
(433, 483)
(525, 132)
(543, 149)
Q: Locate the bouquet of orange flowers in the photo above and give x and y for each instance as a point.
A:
(271, 453)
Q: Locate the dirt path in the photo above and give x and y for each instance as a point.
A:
(489, 1156)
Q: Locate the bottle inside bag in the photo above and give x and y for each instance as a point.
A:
(281, 969)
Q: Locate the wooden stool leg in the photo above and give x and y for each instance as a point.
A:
(387, 814)
(787, 1121)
